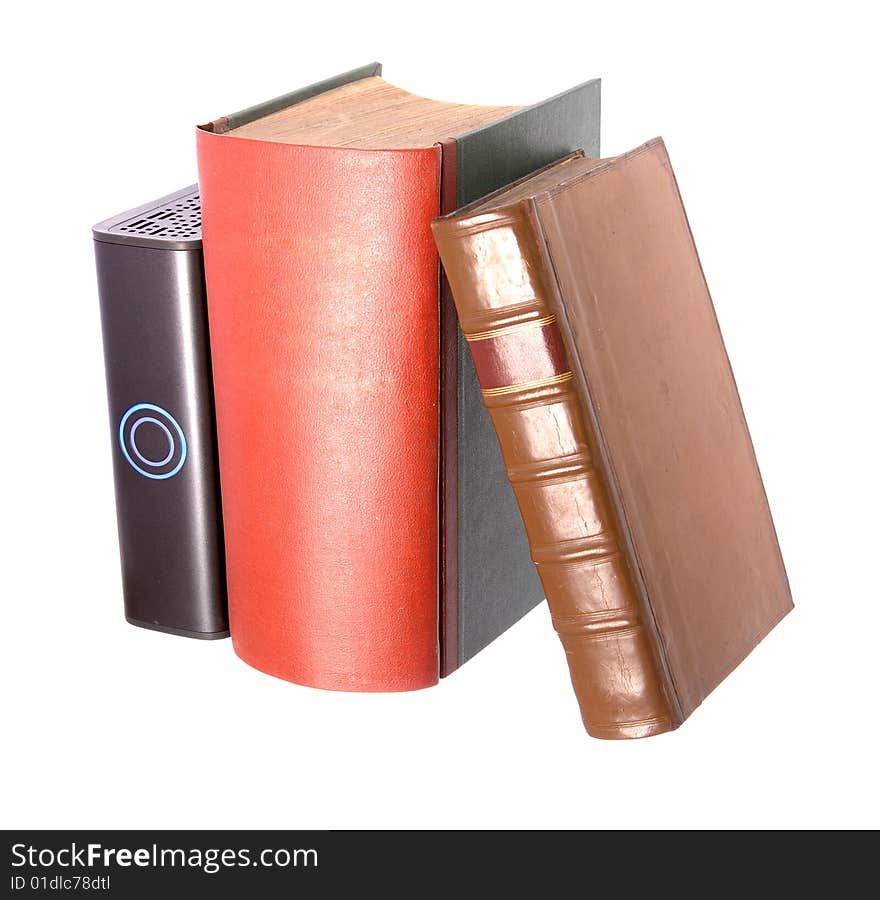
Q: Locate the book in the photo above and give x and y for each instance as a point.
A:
(372, 540)
(584, 305)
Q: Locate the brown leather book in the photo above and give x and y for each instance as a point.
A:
(581, 296)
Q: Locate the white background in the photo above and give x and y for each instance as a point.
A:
(769, 112)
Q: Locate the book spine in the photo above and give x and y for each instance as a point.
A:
(500, 287)
(322, 302)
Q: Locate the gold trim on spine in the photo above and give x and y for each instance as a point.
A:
(510, 329)
(527, 385)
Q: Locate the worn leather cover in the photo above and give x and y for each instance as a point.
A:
(322, 284)
(489, 581)
(606, 377)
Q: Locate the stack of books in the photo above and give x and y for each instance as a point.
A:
(445, 361)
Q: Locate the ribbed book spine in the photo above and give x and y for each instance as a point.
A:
(500, 286)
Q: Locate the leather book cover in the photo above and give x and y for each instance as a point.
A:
(587, 314)
(330, 382)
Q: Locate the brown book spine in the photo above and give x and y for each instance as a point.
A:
(500, 285)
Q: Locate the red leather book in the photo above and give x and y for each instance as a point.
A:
(326, 333)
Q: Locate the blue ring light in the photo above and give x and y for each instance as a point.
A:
(151, 407)
(150, 462)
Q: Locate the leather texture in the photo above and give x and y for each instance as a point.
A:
(322, 286)
(637, 317)
(633, 469)
(516, 355)
(496, 583)
(501, 295)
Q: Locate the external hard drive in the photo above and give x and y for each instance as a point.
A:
(158, 366)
